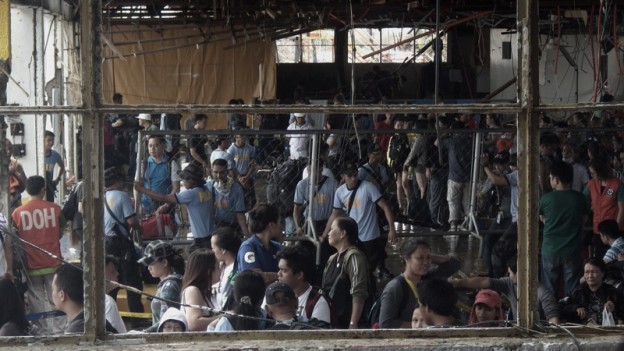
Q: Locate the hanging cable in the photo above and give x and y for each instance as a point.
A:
(353, 57)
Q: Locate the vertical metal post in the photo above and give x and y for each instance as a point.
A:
(93, 162)
(5, 65)
(312, 177)
(528, 142)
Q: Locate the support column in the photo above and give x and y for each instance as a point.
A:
(5, 66)
(528, 162)
(93, 163)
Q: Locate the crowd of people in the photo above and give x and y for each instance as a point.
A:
(415, 169)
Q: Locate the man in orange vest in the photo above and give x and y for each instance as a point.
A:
(40, 223)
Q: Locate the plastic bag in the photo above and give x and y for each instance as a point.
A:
(607, 318)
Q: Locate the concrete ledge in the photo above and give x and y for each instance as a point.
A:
(499, 339)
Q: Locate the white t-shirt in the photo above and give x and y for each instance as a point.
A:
(112, 315)
(225, 275)
(320, 310)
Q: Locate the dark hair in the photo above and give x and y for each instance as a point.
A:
(227, 238)
(549, 139)
(410, 245)
(298, 259)
(157, 137)
(199, 116)
(609, 228)
(12, 308)
(48, 133)
(176, 262)
(601, 167)
(261, 216)
(350, 226)
(111, 259)
(34, 184)
(247, 285)
(220, 162)
(562, 171)
(69, 280)
(439, 295)
(117, 97)
(597, 262)
(201, 263)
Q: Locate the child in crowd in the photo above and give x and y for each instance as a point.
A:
(173, 321)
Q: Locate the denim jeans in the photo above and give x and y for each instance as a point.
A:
(556, 267)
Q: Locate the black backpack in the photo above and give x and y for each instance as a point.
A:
(373, 314)
(70, 205)
(313, 298)
(399, 148)
(282, 184)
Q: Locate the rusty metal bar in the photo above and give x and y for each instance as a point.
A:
(93, 161)
(528, 126)
(499, 90)
(443, 27)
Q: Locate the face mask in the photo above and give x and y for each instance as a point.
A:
(568, 160)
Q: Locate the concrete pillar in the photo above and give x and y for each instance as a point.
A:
(528, 140)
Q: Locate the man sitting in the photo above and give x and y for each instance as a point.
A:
(437, 302)
(67, 294)
(281, 305)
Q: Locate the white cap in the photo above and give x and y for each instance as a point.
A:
(299, 114)
(145, 117)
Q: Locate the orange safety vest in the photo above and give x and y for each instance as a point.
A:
(604, 203)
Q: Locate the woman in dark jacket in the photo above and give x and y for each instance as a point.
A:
(586, 303)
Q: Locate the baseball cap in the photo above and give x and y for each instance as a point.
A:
(349, 168)
(144, 116)
(299, 114)
(488, 297)
(272, 290)
(155, 251)
(501, 157)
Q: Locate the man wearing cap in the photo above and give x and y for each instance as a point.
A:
(298, 143)
(198, 200)
(281, 306)
(374, 171)
(119, 217)
(357, 198)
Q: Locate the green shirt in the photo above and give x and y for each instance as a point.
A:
(563, 212)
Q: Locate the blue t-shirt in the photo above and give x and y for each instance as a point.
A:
(200, 206)
(157, 178)
(242, 157)
(229, 201)
(363, 210)
(53, 159)
(253, 255)
(121, 206)
(323, 200)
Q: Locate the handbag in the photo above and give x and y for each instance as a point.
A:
(160, 225)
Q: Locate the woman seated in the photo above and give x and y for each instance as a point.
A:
(487, 310)
(201, 273)
(248, 293)
(586, 303)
